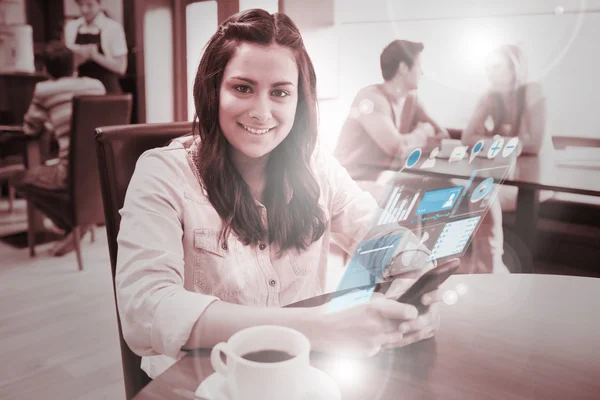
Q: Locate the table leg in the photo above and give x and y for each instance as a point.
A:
(528, 203)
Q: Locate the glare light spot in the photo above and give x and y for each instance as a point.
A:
(462, 288)
(450, 297)
(366, 106)
(477, 47)
(346, 370)
(477, 43)
(559, 10)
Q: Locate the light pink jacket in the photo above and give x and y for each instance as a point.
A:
(170, 266)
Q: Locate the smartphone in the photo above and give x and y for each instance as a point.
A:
(428, 282)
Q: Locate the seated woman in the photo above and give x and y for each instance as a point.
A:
(511, 107)
(223, 227)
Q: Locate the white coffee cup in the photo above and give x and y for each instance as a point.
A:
(251, 380)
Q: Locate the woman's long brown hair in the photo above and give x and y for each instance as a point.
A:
(290, 225)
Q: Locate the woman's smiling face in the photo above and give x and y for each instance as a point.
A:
(258, 99)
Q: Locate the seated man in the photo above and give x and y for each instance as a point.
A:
(387, 119)
(51, 109)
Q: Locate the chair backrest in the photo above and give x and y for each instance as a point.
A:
(89, 113)
(16, 92)
(119, 148)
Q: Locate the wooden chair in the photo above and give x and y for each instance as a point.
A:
(119, 148)
(9, 167)
(81, 204)
(11, 162)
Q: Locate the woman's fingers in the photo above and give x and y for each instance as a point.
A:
(432, 297)
(400, 340)
(377, 295)
(412, 327)
(420, 323)
(423, 327)
(391, 309)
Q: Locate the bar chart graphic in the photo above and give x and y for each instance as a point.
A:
(399, 207)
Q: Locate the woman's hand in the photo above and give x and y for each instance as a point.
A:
(365, 329)
(423, 327)
(410, 258)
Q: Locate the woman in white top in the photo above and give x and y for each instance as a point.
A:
(513, 106)
(222, 228)
(99, 44)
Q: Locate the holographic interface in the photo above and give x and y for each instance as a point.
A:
(441, 214)
(365, 268)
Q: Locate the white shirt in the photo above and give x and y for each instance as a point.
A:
(112, 35)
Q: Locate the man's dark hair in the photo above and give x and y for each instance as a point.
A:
(399, 51)
(58, 60)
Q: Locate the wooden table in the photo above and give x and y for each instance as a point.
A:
(518, 336)
(530, 175)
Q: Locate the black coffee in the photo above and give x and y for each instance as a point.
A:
(268, 356)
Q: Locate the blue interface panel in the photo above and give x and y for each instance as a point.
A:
(365, 268)
(454, 237)
(439, 200)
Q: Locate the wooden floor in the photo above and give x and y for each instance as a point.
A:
(58, 329)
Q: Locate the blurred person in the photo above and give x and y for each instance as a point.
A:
(511, 107)
(223, 227)
(50, 110)
(387, 120)
(99, 44)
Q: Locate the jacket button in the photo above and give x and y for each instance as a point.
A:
(272, 282)
(262, 246)
(224, 246)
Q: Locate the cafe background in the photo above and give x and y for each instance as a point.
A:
(58, 325)
(345, 38)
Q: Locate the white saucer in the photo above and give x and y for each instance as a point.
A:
(321, 387)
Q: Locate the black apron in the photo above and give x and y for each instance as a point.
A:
(94, 70)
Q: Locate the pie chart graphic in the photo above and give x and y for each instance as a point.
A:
(482, 190)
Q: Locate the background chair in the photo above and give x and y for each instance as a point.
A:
(119, 148)
(9, 167)
(16, 92)
(11, 160)
(81, 205)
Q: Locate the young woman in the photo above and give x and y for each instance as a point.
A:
(221, 229)
(99, 44)
(512, 106)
